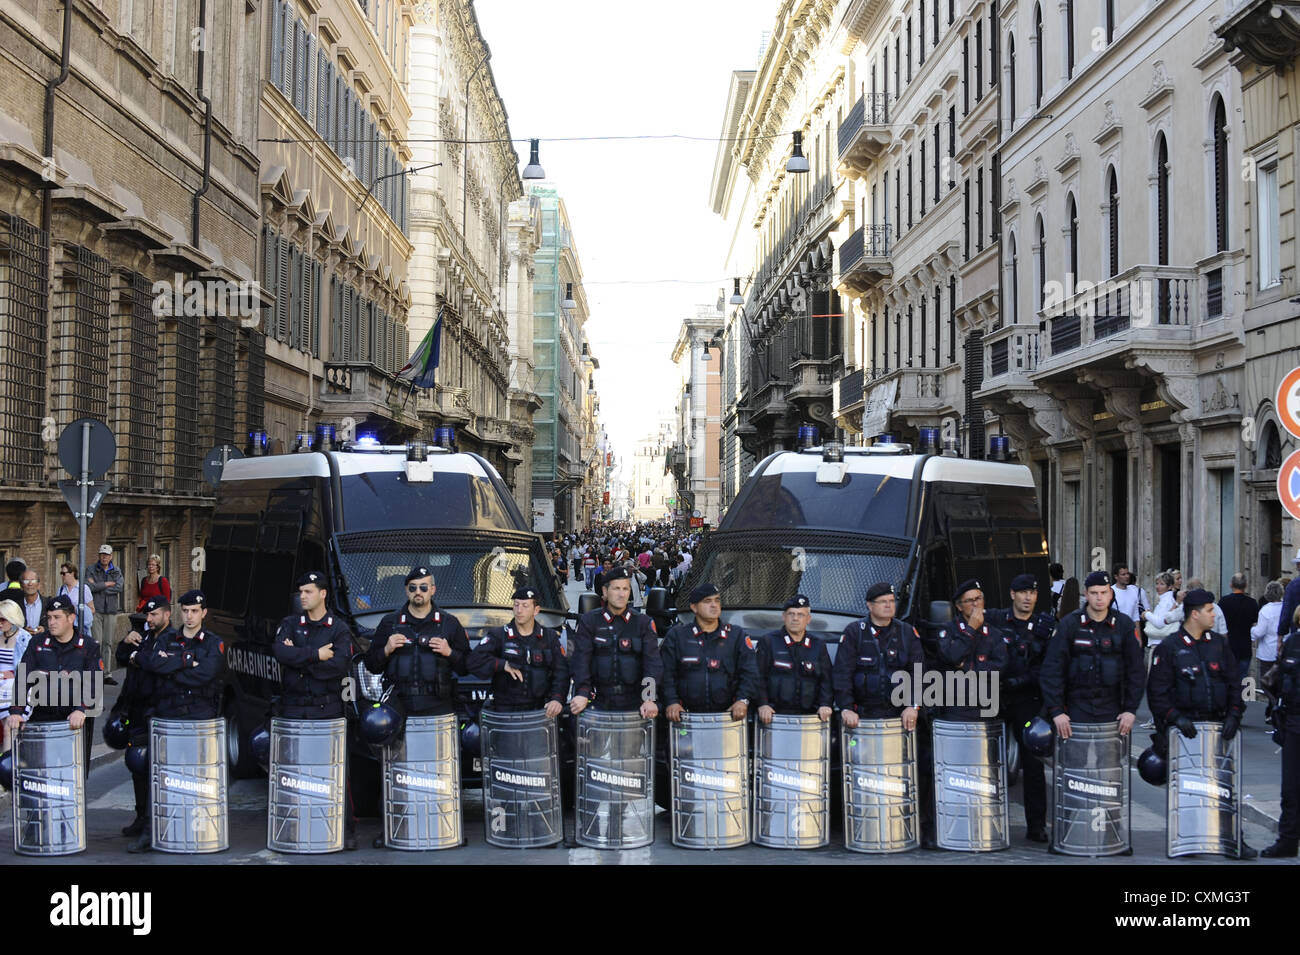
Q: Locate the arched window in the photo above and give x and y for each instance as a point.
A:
(1112, 219)
(1220, 175)
(1072, 225)
(1041, 255)
(1011, 80)
(1038, 56)
(1162, 200)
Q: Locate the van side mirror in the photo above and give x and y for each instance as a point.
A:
(656, 601)
(588, 602)
(940, 611)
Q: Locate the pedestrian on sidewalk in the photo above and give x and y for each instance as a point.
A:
(1240, 611)
(153, 584)
(1264, 633)
(105, 582)
(79, 594)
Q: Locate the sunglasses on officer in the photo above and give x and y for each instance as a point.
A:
(421, 588)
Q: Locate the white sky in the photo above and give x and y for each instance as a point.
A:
(639, 209)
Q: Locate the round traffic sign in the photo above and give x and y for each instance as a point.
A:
(1288, 484)
(1287, 402)
(214, 462)
(102, 448)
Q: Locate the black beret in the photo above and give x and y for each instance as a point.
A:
(1024, 582)
(796, 602)
(964, 586)
(614, 573)
(157, 603)
(312, 577)
(192, 597)
(417, 573)
(525, 593)
(60, 602)
(1098, 578)
(702, 592)
(1197, 598)
(879, 590)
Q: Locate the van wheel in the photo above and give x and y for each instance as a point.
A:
(238, 751)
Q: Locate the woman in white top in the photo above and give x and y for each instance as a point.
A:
(13, 644)
(1158, 626)
(1264, 633)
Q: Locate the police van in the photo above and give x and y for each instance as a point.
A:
(365, 514)
(830, 521)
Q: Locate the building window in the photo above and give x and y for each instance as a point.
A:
(965, 75)
(898, 204)
(898, 63)
(909, 49)
(965, 219)
(993, 44)
(1072, 227)
(909, 192)
(1069, 39)
(1268, 250)
(1220, 176)
(936, 22)
(979, 209)
(1162, 200)
(921, 351)
(1013, 299)
(921, 173)
(1110, 21)
(938, 307)
(936, 163)
(1112, 219)
(979, 60)
(1011, 81)
(1038, 56)
(1040, 253)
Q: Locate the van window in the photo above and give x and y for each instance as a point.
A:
(383, 500)
(866, 503)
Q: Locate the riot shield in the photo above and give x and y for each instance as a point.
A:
(616, 778)
(710, 781)
(1090, 793)
(308, 786)
(521, 779)
(1203, 797)
(878, 760)
(970, 786)
(792, 769)
(188, 780)
(49, 789)
(421, 773)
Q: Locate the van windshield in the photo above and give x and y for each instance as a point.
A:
(484, 570)
(384, 500)
(866, 503)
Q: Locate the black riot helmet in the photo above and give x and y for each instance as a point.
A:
(1152, 767)
(1038, 736)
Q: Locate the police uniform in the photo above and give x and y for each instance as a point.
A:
(966, 649)
(538, 656)
(1288, 826)
(867, 659)
(794, 676)
(708, 671)
(134, 704)
(312, 688)
(425, 681)
(189, 670)
(78, 654)
(614, 654)
(1093, 669)
(1026, 642)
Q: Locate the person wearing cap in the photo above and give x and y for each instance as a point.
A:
(314, 649)
(61, 650)
(420, 650)
(1026, 633)
(135, 701)
(794, 667)
(524, 661)
(709, 667)
(105, 583)
(1094, 670)
(189, 666)
(616, 661)
(871, 651)
(969, 645)
(1194, 677)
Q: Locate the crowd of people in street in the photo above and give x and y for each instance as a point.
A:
(655, 553)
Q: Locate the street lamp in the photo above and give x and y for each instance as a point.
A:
(534, 168)
(568, 297)
(736, 297)
(797, 162)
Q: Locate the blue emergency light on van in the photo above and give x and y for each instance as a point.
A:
(324, 437)
(444, 437)
(929, 441)
(258, 441)
(807, 435)
(999, 447)
(885, 438)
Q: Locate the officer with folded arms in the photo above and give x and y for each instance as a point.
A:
(524, 661)
(871, 651)
(794, 667)
(60, 650)
(314, 649)
(708, 667)
(1194, 677)
(189, 667)
(1026, 634)
(616, 662)
(135, 702)
(1093, 670)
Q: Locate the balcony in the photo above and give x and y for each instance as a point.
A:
(769, 401)
(811, 379)
(864, 259)
(848, 393)
(1010, 356)
(360, 389)
(863, 135)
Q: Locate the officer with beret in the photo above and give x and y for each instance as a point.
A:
(189, 667)
(60, 650)
(871, 651)
(135, 701)
(969, 645)
(314, 649)
(1026, 634)
(1093, 670)
(616, 662)
(794, 667)
(524, 661)
(709, 667)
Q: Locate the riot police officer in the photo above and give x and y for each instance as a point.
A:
(59, 651)
(314, 649)
(1288, 826)
(1194, 677)
(709, 667)
(971, 645)
(1093, 670)
(524, 661)
(871, 651)
(189, 667)
(135, 701)
(1026, 634)
(616, 662)
(794, 667)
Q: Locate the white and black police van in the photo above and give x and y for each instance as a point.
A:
(365, 514)
(830, 521)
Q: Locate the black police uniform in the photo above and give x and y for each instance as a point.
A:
(1022, 699)
(134, 704)
(612, 656)
(865, 663)
(312, 688)
(76, 655)
(1093, 670)
(708, 671)
(1288, 826)
(794, 676)
(538, 656)
(960, 647)
(424, 681)
(1194, 678)
(189, 673)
